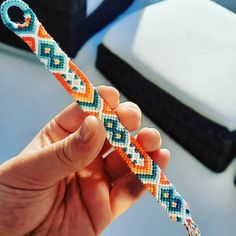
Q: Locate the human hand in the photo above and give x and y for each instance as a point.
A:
(61, 185)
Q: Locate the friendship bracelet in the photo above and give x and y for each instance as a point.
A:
(79, 87)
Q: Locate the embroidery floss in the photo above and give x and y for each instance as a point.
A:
(80, 88)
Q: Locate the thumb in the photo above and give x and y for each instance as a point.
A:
(59, 160)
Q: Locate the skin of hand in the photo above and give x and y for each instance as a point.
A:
(61, 185)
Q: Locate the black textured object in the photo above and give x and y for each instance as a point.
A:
(209, 142)
(67, 22)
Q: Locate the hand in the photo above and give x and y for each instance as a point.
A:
(61, 185)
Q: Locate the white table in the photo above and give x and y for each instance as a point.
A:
(29, 97)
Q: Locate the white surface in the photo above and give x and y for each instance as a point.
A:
(186, 47)
(92, 5)
(30, 96)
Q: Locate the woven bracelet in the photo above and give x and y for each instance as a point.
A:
(79, 87)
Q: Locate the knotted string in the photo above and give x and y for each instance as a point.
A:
(79, 87)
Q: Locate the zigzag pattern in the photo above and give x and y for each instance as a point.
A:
(78, 85)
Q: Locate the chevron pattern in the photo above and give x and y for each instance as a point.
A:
(80, 88)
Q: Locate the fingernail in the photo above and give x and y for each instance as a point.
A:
(154, 131)
(165, 150)
(88, 129)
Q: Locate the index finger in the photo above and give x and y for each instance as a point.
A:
(69, 120)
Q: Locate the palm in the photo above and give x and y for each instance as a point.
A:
(86, 195)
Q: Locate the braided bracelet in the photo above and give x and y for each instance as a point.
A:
(79, 87)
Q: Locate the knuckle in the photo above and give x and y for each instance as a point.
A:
(47, 131)
(63, 154)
